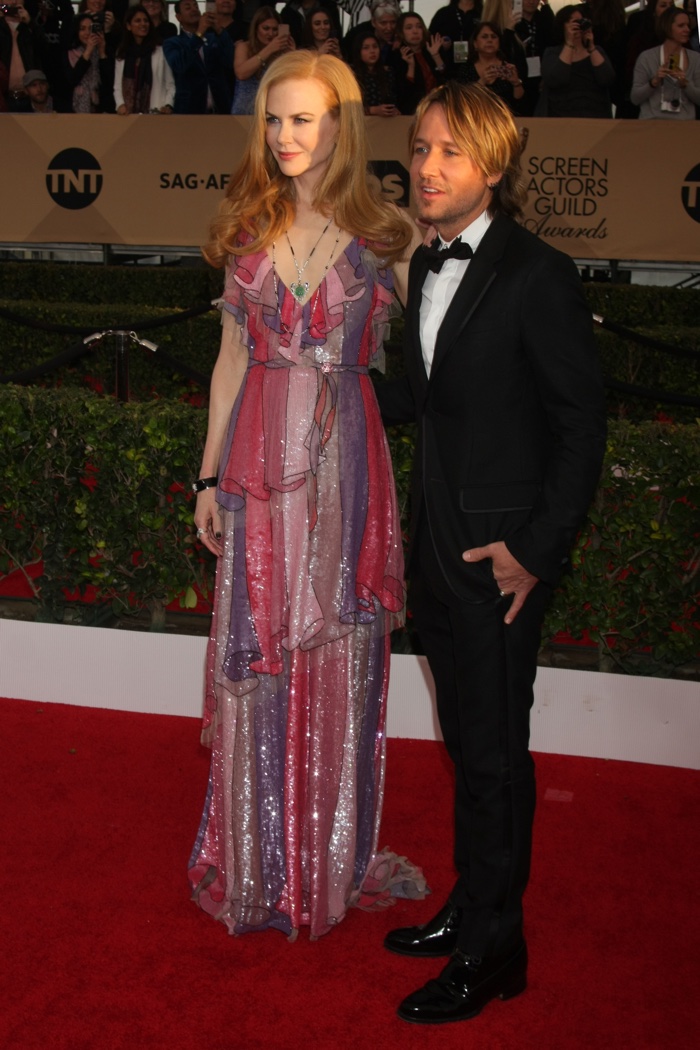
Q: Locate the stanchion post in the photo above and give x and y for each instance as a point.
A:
(122, 366)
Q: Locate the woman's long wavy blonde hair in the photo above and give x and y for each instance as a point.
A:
(260, 200)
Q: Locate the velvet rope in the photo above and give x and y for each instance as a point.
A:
(65, 329)
(646, 340)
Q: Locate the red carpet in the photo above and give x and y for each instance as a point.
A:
(101, 948)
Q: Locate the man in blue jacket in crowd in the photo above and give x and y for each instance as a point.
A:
(201, 60)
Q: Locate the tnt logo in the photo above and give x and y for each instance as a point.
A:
(74, 179)
(690, 193)
(393, 180)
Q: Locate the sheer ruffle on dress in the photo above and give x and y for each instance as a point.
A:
(308, 589)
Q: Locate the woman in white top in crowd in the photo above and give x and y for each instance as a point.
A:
(143, 80)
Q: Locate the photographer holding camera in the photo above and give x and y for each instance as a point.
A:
(666, 84)
(488, 66)
(577, 75)
(104, 22)
(87, 69)
(20, 47)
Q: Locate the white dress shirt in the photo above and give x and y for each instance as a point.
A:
(439, 288)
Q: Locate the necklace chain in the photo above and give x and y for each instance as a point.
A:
(301, 288)
(295, 288)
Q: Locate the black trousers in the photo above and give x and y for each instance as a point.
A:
(484, 672)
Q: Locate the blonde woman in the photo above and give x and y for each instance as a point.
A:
(266, 41)
(296, 500)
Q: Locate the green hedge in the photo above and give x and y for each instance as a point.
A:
(99, 491)
(194, 341)
(87, 482)
(74, 283)
(88, 283)
(77, 294)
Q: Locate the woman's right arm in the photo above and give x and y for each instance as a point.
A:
(246, 67)
(229, 372)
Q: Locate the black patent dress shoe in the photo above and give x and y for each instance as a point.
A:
(465, 986)
(437, 937)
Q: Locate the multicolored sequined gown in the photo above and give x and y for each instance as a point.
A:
(308, 589)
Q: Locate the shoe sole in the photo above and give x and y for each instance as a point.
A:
(517, 988)
(420, 955)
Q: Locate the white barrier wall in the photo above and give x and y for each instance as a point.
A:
(575, 712)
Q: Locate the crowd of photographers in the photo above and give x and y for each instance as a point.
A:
(587, 60)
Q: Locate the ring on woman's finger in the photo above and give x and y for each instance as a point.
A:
(503, 594)
(200, 532)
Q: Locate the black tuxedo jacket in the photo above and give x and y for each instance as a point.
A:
(511, 421)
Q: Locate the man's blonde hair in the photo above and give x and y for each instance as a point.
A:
(483, 126)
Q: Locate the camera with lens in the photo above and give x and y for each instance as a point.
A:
(585, 24)
(98, 23)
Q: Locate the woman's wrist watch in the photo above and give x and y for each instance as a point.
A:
(204, 483)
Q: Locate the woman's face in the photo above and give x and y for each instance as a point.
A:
(95, 6)
(661, 6)
(139, 25)
(155, 10)
(412, 32)
(320, 27)
(486, 42)
(301, 130)
(84, 27)
(369, 52)
(267, 31)
(679, 32)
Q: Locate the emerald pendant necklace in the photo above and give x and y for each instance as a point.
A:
(301, 288)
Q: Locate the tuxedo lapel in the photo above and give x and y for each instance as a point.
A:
(417, 274)
(480, 275)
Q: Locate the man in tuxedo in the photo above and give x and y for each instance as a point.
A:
(502, 380)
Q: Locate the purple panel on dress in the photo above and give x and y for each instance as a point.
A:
(352, 445)
(270, 739)
(242, 646)
(366, 763)
(229, 500)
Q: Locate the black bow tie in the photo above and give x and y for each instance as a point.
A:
(435, 255)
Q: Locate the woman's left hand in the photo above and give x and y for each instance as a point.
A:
(435, 43)
(109, 21)
(587, 39)
(408, 56)
(510, 73)
(678, 75)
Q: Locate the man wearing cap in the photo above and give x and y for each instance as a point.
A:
(36, 97)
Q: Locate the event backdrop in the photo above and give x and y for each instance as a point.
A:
(598, 189)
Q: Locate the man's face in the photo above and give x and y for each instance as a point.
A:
(225, 8)
(189, 13)
(449, 189)
(530, 6)
(385, 27)
(38, 92)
